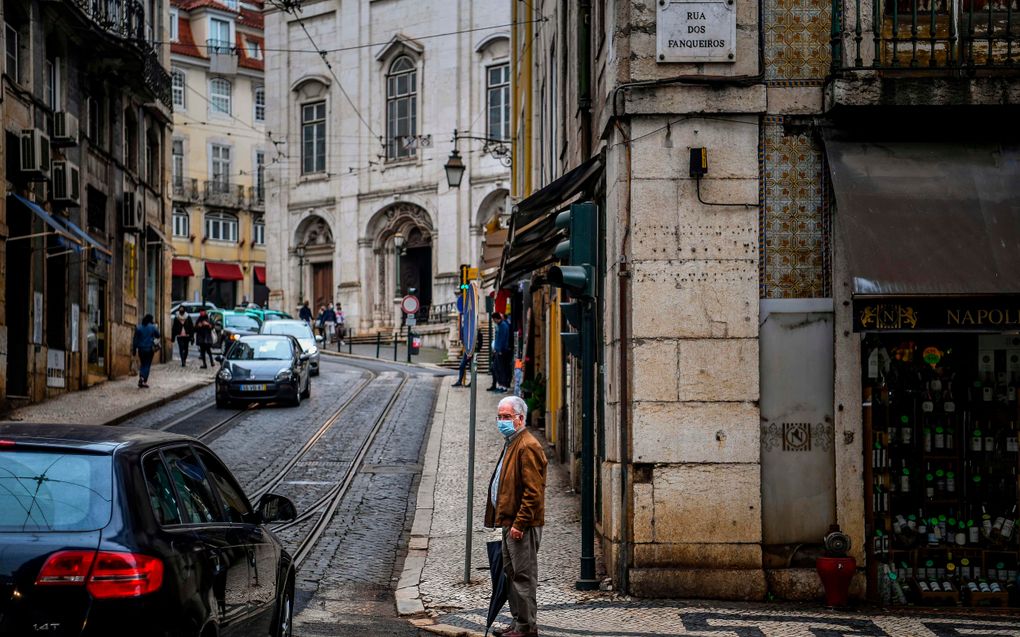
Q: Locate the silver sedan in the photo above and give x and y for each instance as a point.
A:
(302, 332)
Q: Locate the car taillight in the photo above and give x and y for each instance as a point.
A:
(6, 443)
(105, 574)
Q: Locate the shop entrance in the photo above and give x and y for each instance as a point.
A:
(940, 421)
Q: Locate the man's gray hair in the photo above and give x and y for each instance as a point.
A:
(517, 403)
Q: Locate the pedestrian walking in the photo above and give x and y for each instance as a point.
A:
(501, 354)
(329, 323)
(516, 504)
(305, 313)
(146, 344)
(204, 337)
(465, 361)
(340, 321)
(182, 332)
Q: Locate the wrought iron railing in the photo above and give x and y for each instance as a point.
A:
(924, 34)
(157, 79)
(219, 47)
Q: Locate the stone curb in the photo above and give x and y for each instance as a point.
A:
(445, 629)
(159, 402)
(408, 594)
(383, 360)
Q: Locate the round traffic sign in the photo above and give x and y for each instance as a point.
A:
(410, 304)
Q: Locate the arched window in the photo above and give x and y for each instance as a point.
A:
(221, 226)
(260, 104)
(401, 108)
(182, 223)
(219, 95)
(258, 231)
(179, 87)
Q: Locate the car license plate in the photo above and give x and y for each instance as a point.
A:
(253, 388)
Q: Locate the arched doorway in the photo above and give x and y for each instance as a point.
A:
(313, 256)
(402, 240)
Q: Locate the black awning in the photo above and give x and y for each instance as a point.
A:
(921, 219)
(533, 234)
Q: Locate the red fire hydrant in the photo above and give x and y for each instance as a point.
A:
(835, 569)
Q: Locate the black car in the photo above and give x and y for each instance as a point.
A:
(117, 531)
(264, 368)
(229, 326)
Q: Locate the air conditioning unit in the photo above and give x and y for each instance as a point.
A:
(35, 153)
(132, 212)
(65, 129)
(66, 183)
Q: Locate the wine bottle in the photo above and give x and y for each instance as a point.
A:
(976, 439)
(927, 439)
(940, 438)
(1012, 445)
(906, 431)
(929, 482)
(1008, 525)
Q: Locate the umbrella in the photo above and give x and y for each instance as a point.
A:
(499, 590)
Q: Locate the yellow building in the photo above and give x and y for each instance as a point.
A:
(219, 151)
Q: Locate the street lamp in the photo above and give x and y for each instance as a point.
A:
(497, 148)
(454, 169)
(300, 252)
(398, 243)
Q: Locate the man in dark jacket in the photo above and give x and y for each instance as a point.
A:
(305, 313)
(501, 354)
(516, 503)
(182, 332)
(204, 337)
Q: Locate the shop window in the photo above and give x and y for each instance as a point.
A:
(401, 108)
(221, 226)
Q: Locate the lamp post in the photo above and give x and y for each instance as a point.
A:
(398, 243)
(300, 252)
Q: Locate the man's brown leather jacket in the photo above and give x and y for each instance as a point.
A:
(520, 502)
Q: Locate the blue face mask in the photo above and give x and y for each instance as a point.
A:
(506, 427)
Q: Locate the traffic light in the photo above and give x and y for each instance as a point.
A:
(576, 271)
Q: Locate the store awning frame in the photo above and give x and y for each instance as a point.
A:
(927, 219)
(105, 253)
(66, 238)
(533, 235)
(259, 272)
(224, 271)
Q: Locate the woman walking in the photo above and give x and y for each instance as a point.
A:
(182, 331)
(146, 342)
(203, 336)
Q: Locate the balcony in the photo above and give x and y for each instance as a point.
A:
(128, 40)
(222, 56)
(942, 52)
(256, 198)
(187, 191)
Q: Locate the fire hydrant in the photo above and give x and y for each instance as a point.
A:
(835, 568)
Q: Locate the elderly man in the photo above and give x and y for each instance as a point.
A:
(516, 504)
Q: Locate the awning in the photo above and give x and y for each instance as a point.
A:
(64, 235)
(533, 234)
(920, 219)
(107, 255)
(260, 274)
(181, 267)
(224, 271)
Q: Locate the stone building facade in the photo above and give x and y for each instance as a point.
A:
(85, 219)
(734, 428)
(219, 152)
(359, 210)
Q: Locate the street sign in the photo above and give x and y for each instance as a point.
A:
(410, 321)
(410, 304)
(468, 324)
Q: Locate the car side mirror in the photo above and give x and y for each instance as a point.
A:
(305, 357)
(276, 508)
(219, 359)
(318, 338)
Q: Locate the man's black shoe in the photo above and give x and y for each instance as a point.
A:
(499, 632)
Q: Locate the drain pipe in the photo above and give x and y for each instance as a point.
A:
(623, 300)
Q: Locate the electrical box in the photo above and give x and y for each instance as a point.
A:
(699, 162)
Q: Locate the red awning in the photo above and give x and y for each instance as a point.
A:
(224, 271)
(260, 274)
(181, 267)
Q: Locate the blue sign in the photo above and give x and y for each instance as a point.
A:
(469, 319)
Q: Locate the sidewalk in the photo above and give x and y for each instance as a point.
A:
(113, 401)
(432, 594)
(425, 355)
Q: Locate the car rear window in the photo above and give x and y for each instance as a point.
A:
(54, 491)
(297, 330)
(241, 321)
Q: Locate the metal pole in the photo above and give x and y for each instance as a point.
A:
(410, 337)
(378, 343)
(350, 343)
(471, 471)
(587, 581)
(396, 340)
